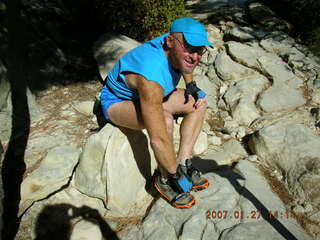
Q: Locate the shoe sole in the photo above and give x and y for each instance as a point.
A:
(167, 198)
(201, 187)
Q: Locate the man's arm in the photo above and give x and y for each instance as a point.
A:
(151, 95)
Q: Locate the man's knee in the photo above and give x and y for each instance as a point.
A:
(199, 109)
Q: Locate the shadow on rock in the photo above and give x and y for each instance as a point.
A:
(141, 152)
(13, 166)
(55, 222)
(138, 142)
(205, 165)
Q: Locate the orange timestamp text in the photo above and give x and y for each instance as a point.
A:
(254, 214)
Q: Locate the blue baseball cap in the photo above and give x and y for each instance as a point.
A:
(193, 31)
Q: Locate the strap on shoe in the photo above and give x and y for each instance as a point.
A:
(179, 182)
(191, 170)
(177, 197)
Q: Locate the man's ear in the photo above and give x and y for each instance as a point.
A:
(169, 41)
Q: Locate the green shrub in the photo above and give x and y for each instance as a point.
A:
(305, 17)
(140, 19)
(160, 14)
(314, 41)
(308, 20)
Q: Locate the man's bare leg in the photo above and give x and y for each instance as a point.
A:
(191, 124)
(189, 131)
(127, 114)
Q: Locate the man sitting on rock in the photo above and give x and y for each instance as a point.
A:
(140, 92)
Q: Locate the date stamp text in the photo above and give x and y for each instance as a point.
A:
(254, 214)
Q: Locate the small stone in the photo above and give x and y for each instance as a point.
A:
(214, 140)
(253, 158)
(241, 132)
(231, 125)
(223, 89)
(201, 144)
(298, 209)
(233, 134)
(315, 216)
(85, 107)
(308, 207)
(206, 127)
(226, 136)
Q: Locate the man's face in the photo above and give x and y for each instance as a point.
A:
(182, 56)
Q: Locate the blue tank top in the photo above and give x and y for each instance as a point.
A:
(148, 60)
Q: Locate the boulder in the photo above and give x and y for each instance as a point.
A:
(246, 55)
(241, 97)
(279, 44)
(232, 151)
(58, 213)
(284, 81)
(109, 48)
(115, 168)
(229, 70)
(241, 33)
(53, 173)
(237, 205)
(294, 149)
(209, 88)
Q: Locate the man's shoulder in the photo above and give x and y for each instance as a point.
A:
(146, 54)
(152, 47)
(149, 60)
(158, 41)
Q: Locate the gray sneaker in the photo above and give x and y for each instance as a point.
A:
(176, 199)
(199, 182)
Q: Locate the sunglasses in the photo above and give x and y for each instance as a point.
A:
(191, 49)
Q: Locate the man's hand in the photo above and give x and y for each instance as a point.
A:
(193, 90)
